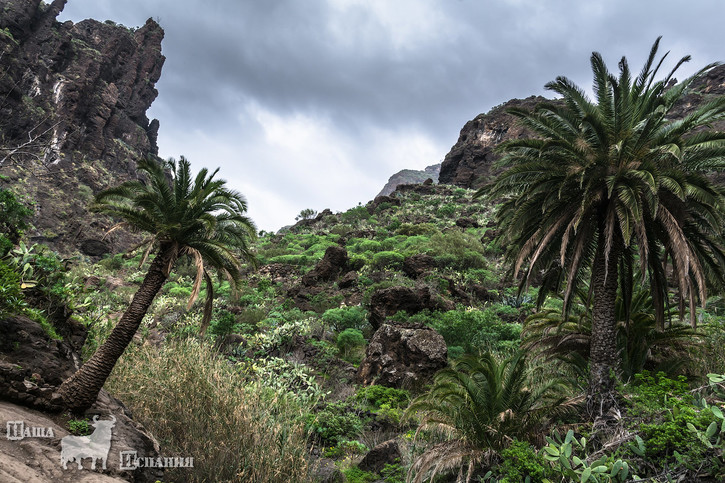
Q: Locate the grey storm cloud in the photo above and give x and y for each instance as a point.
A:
(316, 103)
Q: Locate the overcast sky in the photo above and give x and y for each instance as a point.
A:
(315, 103)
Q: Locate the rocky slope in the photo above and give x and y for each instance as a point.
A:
(73, 100)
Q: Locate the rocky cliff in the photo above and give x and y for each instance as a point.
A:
(73, 102)
(469, 163)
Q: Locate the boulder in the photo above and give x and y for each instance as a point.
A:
(416, 265)
(94, 248)
(332, 265)
(466, 222)
(327, 472)
(403, 355)
(348, 280)
(386, 453)
(388, 301)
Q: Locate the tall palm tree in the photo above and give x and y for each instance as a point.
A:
(609, 184)
(640, 344)
(190, 217)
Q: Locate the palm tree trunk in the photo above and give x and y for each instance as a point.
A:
(603, 357)
(80, 391)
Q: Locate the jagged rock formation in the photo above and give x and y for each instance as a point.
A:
(469, 163)
(411, 176)
(73, 101)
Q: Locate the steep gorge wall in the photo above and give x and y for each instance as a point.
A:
(73, 102)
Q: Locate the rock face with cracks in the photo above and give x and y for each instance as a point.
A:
(73, 102)
(403, 355)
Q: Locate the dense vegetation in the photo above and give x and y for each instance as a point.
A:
(268, 390)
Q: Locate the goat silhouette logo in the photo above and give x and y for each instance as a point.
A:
(95, 446)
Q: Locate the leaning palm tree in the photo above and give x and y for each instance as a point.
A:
(481, 404)
(610, 184)
(199, 218)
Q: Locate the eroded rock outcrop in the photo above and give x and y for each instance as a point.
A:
(403, 355)
(73, 102)
(329, 268)
(386, 453)
(38, 459)
(32, 365)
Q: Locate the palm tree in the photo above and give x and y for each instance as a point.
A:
(483, 404)
(640, 343)
(198, 218)
(610, 184)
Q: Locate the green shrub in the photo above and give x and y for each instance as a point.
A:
(340, 229)
(362, 245)
(457, 249)
(113, 263)
(5, 245)
(447, 210)
(301, 260)
(349, 340)
(222, 323)
(80, 427)
(473, 330)
(343, 318)
(377, 396)
(357, 262)
(410, 229)
(393, 473)
(390, 260)
(345, 449)
(13, 216)
(674, 419)
(12, 301)
(336, 422)
(354, 215)
(356, 475)
(520, 460)
(322, 302)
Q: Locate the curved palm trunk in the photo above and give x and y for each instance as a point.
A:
(80, 390)
(603, 358)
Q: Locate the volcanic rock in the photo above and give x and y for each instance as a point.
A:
(416, 265)
(403, 355)
(386, 453)
(331, 266)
